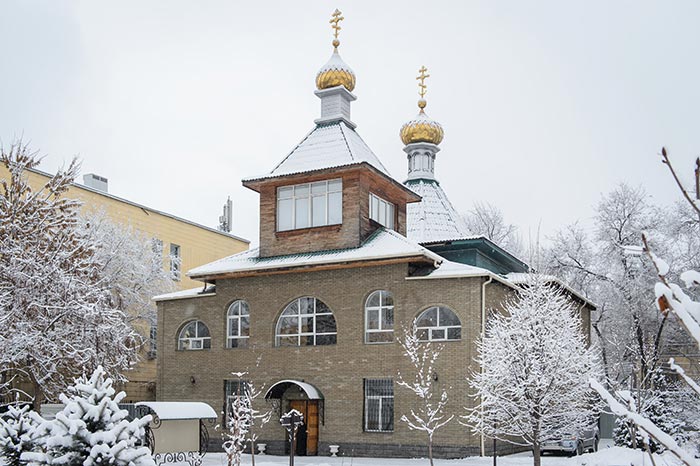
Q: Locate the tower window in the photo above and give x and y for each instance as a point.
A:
(381, 211)
(310, 205)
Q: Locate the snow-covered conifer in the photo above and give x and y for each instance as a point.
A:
(56, 317)
(430, 415)
(92, 430)
(17, 433)
(535, 366)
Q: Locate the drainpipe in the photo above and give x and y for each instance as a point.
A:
(483, 333)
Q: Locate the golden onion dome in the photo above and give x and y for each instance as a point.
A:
(422, 129)
(335, 73)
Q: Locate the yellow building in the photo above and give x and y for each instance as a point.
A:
(192, 243)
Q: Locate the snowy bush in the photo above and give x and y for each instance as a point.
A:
(535, 367)
(92, 430)
(17, 433)
(239, 421)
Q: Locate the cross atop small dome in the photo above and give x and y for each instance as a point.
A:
(335, 72)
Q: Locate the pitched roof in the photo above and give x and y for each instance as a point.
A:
(450, 269)
(434, 218)
(525, 278)
(382, 244)
(327, 146)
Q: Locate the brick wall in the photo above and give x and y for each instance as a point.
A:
(338, 370)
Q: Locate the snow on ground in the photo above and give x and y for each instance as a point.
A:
(614, 456)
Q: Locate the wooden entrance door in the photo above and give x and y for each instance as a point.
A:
(310, 411)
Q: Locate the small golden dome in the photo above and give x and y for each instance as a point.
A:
(335, 73)
(422, 129)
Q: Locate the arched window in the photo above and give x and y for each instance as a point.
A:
(238, 325)
(194, 336)
(438, 323)
(306, 322)
(379, 317)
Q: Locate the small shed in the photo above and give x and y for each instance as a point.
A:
(177, 431)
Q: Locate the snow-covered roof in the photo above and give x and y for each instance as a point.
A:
(433, 219)
(382, 244)
(524, 278)
(449, 269)
(278, 389)
(327, 146)
(171, 410)
(198, 292)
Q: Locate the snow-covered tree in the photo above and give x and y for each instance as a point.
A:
(238, 423)
(17, 428)
(534, 370)
(56, 317)
(671, 300)
(609, 267)
(258, 417)
(486, 219)
(92, 430)
(656, 403)
(430, 414)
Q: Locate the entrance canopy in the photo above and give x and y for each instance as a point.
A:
(171, 410)
(277, 390)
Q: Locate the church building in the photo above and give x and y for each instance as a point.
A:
(348, 258)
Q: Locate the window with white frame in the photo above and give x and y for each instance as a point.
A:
(379, 405)
(306, 322)
(438, 323)
(381, 211)
(237, 325)
(194, 336)
(310, 205)
(379, 317)
(175, 262)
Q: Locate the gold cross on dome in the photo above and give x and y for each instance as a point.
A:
(337, 18)
(422, 86)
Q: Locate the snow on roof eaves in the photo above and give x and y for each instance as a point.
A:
(524, 278)
(383, 244)
(180, 410)
(327, 146)
(184, 294)
(449, 269)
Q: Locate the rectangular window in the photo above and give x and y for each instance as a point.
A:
(379, 405)
(381, 211)
(175, 262)
(310, 205)
(232, 390)
(153, 342)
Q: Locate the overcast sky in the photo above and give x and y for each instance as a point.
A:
(545, 104)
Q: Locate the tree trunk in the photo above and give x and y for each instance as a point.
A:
(430, 449)
(252, 453)
(38, 394)
(536, 454)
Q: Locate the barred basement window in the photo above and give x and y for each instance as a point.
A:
(238, 325)
(438, 323)
(379, 317)
(379, 405)
(310, 205)
(232, 390)
(194, 336)
(381, 211)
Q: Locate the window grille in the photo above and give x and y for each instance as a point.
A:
(232, 390)
(379, 405)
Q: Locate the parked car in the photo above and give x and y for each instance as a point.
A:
(573, 444)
